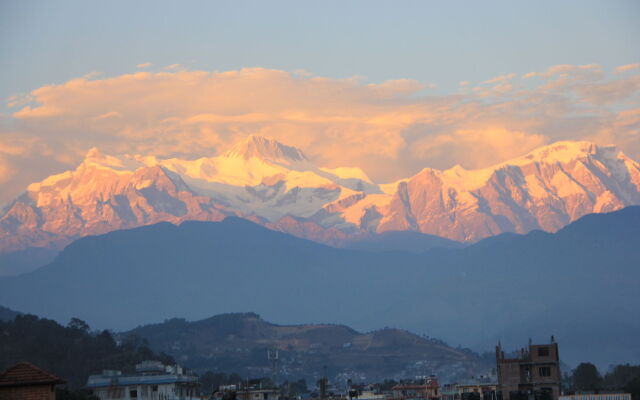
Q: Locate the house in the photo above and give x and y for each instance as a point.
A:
(429, 390)
(533, 374)
(252, 390)
(258, 394)
(151, 381)
(25, 381)
(480, 388)
(477, 390)
(600, 396)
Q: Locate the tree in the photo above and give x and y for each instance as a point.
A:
(77, 323)
(586, 378)
(633, 387)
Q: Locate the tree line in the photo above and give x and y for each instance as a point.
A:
(621, 378)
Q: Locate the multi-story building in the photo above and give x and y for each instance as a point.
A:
(151, 381)
(533, 374)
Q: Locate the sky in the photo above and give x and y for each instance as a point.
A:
(388, 86)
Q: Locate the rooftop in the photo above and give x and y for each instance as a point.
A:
(25, 373)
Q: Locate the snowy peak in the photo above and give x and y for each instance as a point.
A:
(265, 149)
(96, 159)
(564, 152)
(274, 183)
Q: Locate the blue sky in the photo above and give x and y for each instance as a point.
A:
(46, 42)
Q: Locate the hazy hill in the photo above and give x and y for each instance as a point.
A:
(7, 314)
(511, 286)
(415, 242)
(239, 342)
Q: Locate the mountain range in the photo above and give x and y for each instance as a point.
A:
(579, 283)
(277, 186)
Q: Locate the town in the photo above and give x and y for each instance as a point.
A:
(531, 373)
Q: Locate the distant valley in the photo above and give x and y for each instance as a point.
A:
(505, 288)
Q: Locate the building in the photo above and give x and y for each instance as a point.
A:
(481, 388)
(601, 396)
(477, 390)
(252, 390)
(25, 381)
(258, 394)
(534, 373)
(428, 391)
(151, 381)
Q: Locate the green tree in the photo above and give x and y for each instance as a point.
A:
(633, 387)
(586, 378)
(77, 323)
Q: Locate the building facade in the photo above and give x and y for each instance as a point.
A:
(533, 374)
(152, 381)
(600, 396)
(428, 391)
(25, 381)
(482, 388)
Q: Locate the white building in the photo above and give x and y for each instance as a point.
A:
(601, 396)
(152, 381)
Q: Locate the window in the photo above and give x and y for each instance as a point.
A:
(154, 388)
(543, 351)
(133, 393)
(544, 371)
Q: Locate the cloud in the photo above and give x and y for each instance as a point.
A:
(390, 129)
(144, 65)
(25, 158)
(501, 78)
(625, 68)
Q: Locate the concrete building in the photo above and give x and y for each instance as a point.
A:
(248, 391)
(258, 394)
(427, 391)
(152, 381)
(477, 390)
(600, 396)
(481, 388)
(25, 381)
(533, 374)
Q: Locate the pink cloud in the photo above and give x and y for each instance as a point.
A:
(625, 68)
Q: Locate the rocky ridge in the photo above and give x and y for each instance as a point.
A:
(278, 186)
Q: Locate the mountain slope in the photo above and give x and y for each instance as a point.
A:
(103, 194)
(125, 278)
(7, 314)
(399, 241)
(279, 187)
(546, 189)
(239, 342)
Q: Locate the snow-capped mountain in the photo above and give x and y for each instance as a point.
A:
(103, 194)
(265, 178)
(278, 186)
(545, 189)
